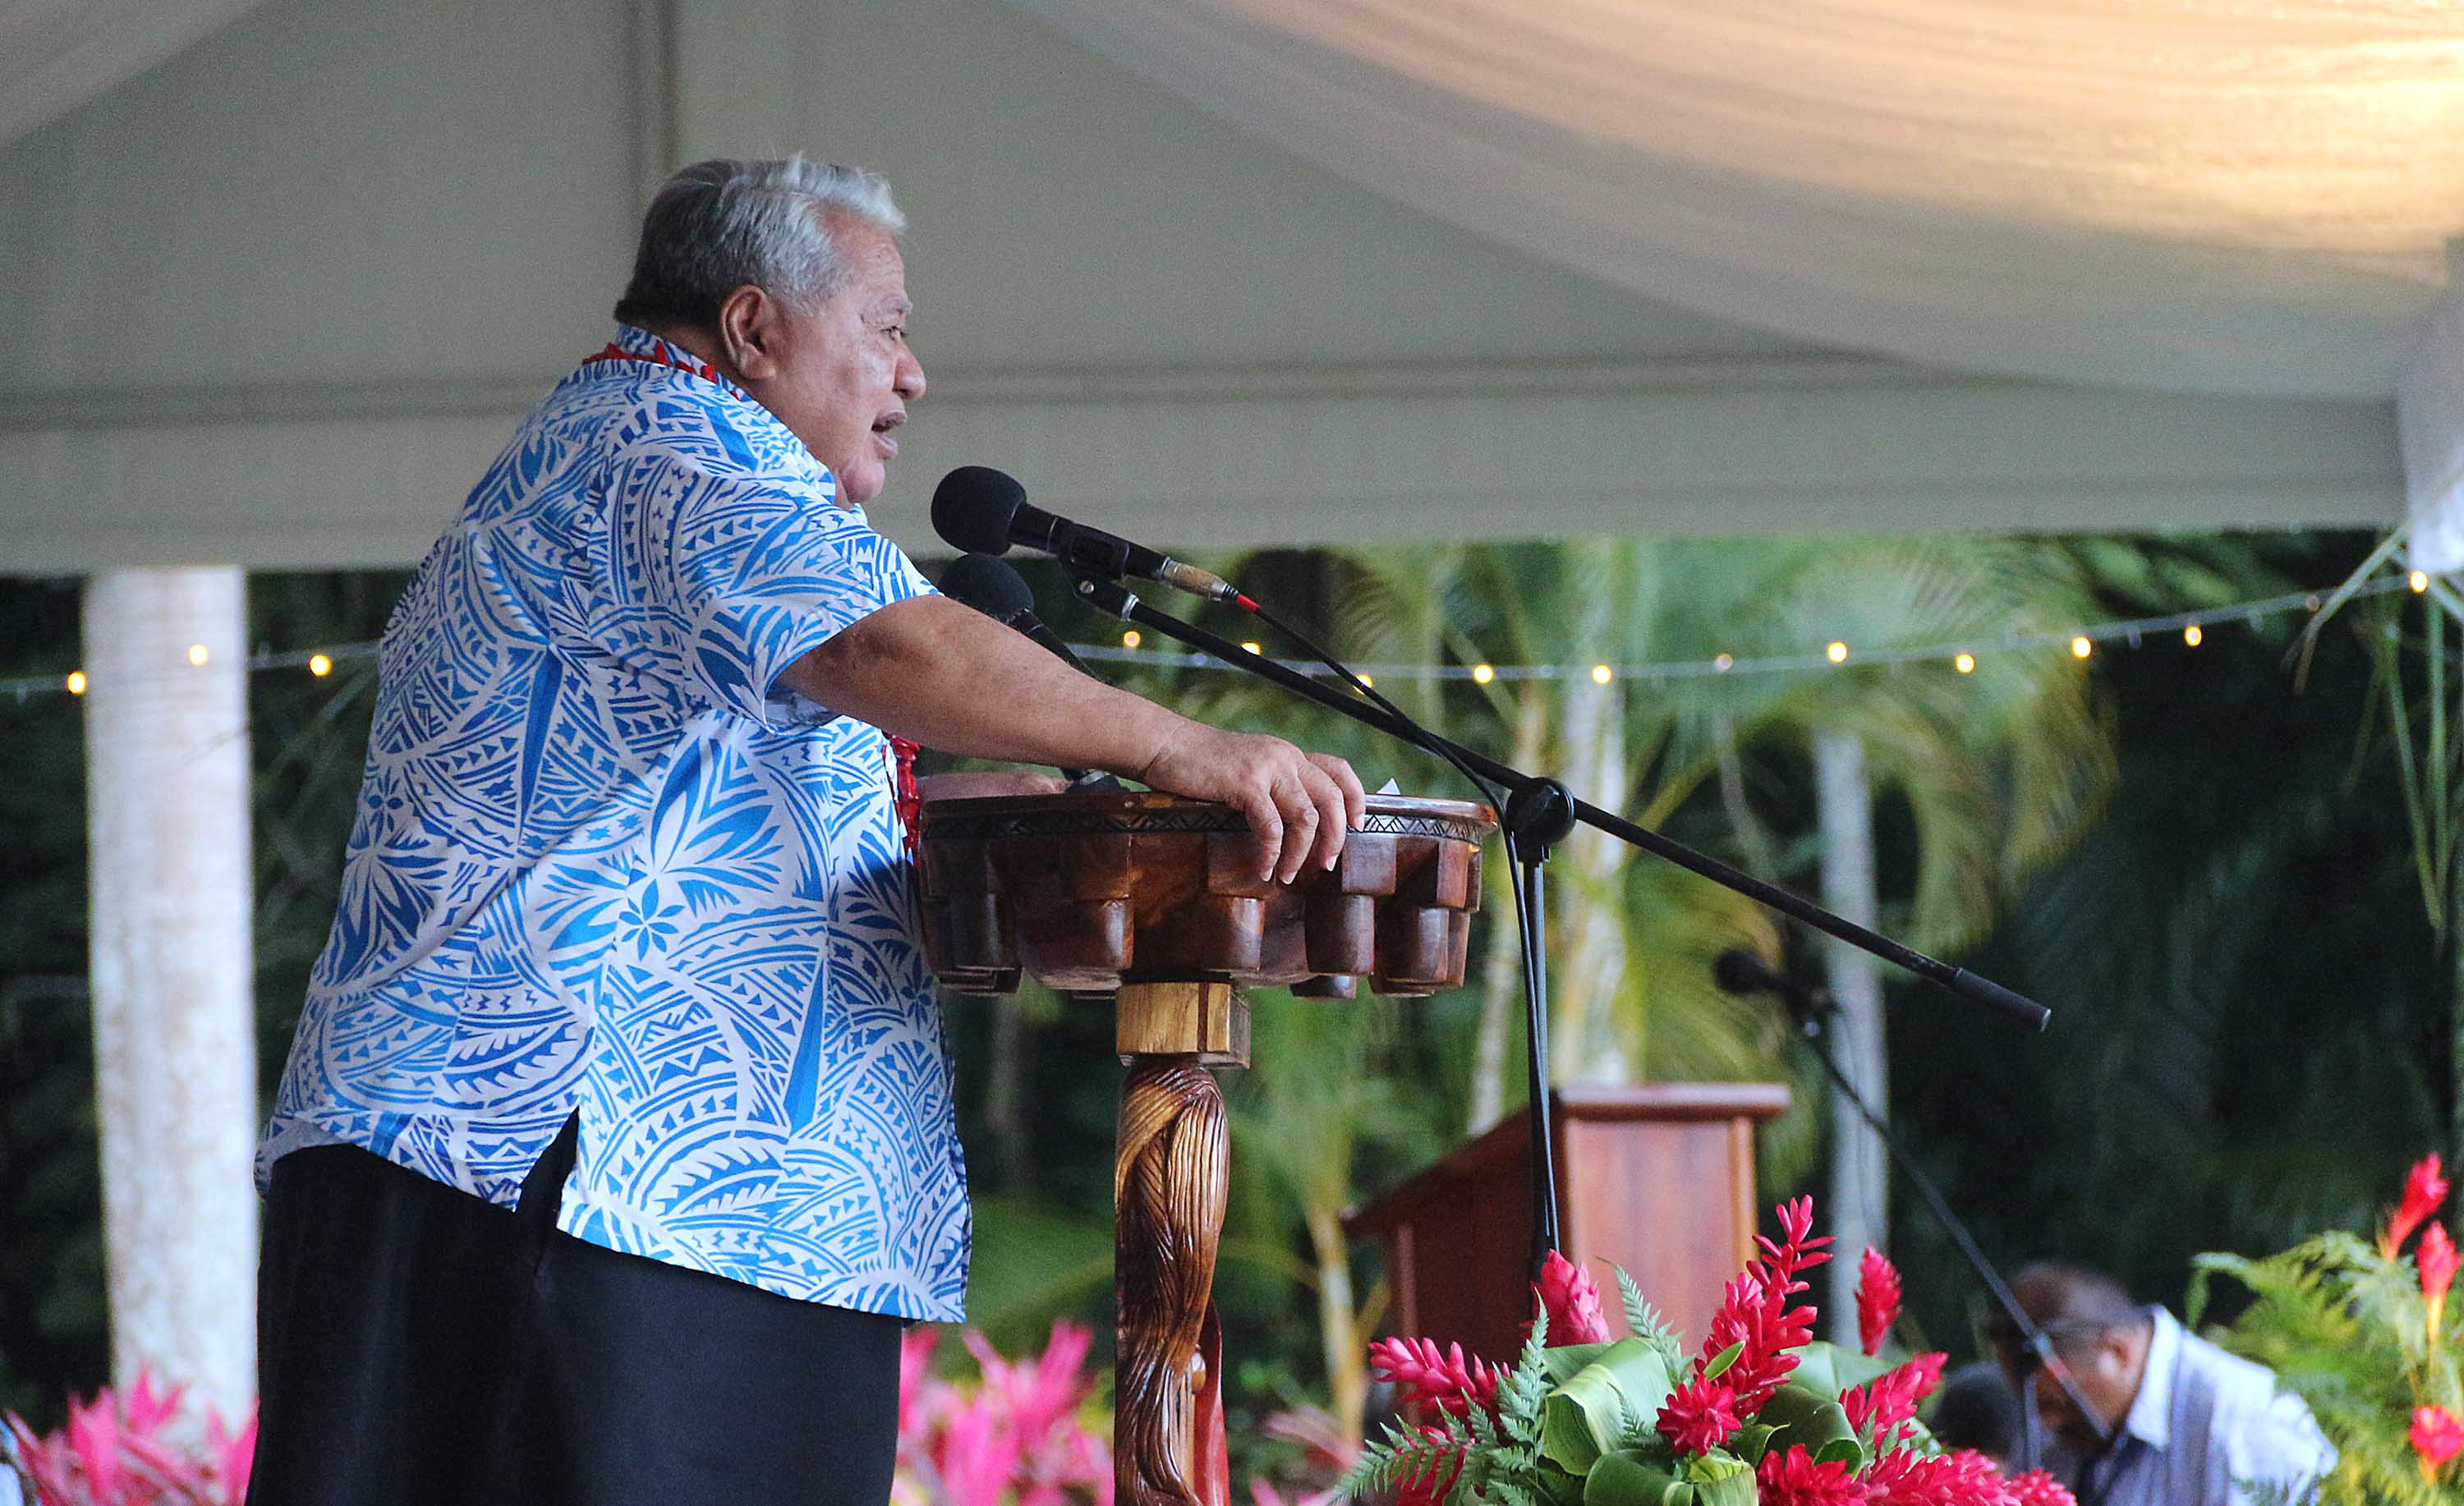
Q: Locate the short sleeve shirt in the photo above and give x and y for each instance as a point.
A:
(603, 864)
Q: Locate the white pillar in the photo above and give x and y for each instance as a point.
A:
(174, 1035)
(1861, 1184)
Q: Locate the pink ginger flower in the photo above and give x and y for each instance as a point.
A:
(235, 1453)
(2436, 1437)
(1572, 1303)
(1794, 1479)
(1034, 1396)
(2424, 1189)
(1699, 1416)
(1424, 1374)
(915, 1374)
(976, 1455)
(2438, 1260)
(144, 1409)
(1877, 1300)
(94, 1437)
(2036, 1487)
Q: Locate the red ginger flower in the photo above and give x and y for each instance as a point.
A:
(1699, 1416)
(1799, 1252)
(1444, 1380)
(2036, 1487)
(2438, 1261)
(1890, 1398)
(1765, 1331)
(2437, 1436)
(1572, 1303)
(1794, 1479)
(2424, 1189)
(1428, 1486)
(1909, 1478)
(1877, 1300)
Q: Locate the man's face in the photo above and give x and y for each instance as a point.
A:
(841, 376)
(2104, 1366)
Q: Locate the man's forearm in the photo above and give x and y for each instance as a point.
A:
(948, 677)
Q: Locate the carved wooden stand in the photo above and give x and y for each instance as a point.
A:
(1157, 900)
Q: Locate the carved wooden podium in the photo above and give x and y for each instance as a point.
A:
(1155, 900)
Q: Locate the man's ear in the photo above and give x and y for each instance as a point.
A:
(749, 333)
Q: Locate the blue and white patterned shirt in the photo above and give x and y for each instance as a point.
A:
(597, 866)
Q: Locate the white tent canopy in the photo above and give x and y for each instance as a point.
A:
(1454, 269)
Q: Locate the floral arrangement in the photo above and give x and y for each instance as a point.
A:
(1024, 1434)
(135, 1449)
(1763, 1413)
(2357, 1329)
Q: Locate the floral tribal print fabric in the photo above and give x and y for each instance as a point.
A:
(597, 866)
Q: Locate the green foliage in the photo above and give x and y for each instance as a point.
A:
(2346, 1330)
(1647, 1324)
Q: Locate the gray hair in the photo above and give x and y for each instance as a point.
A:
(719, 225)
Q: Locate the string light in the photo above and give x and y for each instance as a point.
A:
(1251, 650)
(1369, 679)
(322, 663)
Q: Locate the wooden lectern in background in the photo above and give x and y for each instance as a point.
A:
(1658, 1178)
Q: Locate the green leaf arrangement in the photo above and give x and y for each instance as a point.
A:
(2357, 1330)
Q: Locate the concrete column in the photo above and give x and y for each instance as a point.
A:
(174, 1033)
(1861, 1184)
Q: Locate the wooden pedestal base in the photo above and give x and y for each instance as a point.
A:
(1169, 1183)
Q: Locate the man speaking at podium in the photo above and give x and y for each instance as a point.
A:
(616, 1146)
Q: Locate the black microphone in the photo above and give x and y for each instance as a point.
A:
(1001, 593)
(984, 511)
(1739, 970)
(992, 587)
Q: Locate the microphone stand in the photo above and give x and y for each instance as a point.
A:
(1811, 1009)
(1544, 798)
(1538, 814)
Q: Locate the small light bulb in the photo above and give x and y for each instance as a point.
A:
(2081, 649)
(1247, 647)
(1367, 680)
(1838, 652)
(77, 682)
(2192, 635)
(1965, 663)
(2313, 601)
(2419, 580)
(1723, 662)
(1482, 674)
(197, 654)
(319, 665)
(1600, 674)
(1130, 639)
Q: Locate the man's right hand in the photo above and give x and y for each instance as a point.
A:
(951, 678)
(1300, 804)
